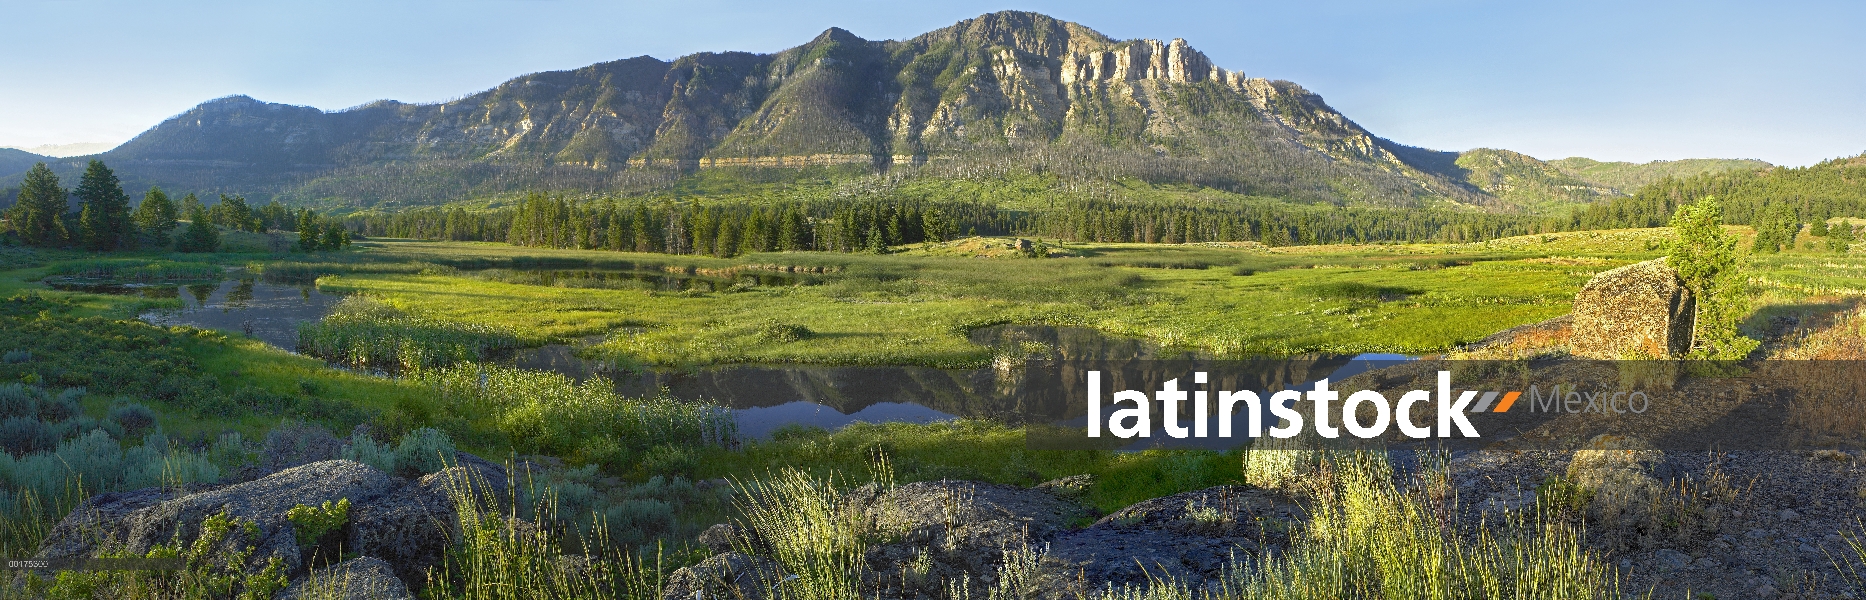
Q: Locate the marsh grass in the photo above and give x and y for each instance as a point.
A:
(366, 334)
(550, 413)
(135, 270)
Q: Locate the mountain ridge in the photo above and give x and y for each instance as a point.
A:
(1003, 90)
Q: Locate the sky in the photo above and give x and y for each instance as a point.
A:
(1612, 80)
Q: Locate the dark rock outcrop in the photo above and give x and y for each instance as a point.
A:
(946, 531)
(728, 575)
(1190, 537)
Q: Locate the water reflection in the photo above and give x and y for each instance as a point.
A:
(269, 312)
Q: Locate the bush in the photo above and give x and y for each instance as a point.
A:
(670, 461)
(367, 334)
(18, 401)
(779, 332)
(135, 418)
(636, 521)
(25, 435)
(14, 357)
(365, 450)
(61, 407)
(422, 451)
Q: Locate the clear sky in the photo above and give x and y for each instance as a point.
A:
(1783, 81)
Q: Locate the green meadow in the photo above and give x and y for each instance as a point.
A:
(437, 316)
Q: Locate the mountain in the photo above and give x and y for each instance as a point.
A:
(1628, 177)
(1004, 91)
(15, 162)
(65, 150)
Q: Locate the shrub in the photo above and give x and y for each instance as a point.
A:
(365, 450)
(17, 400)
(634, 522)
(780, 332)
(14, 357)
(230, 452)
(422, 451)
(135, 418)
(61, 407)
(670, 461)
(25, 435)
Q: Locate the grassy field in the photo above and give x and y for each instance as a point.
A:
(917, 305)
(912, 306)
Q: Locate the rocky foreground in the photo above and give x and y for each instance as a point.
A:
(1763, 524)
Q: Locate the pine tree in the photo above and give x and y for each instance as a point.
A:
(105, 220)
(201, 236)
(38, 215)
(333, 237)
(1706, 260)
(307, 231)
(156, 215)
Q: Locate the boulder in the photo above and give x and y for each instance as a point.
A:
(411, 528)
(139, 521)
(1639, 310)
(941, 532)
(362, 578)
(1190, 537)
(729, 575)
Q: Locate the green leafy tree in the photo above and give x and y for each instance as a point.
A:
(156, 215)
(1705, 257)
(232, 212)
(1818, 228)
(201, 236)
(105, 220)
(1840, 237)
(38, 215)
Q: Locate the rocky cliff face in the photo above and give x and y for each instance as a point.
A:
(1012, 85)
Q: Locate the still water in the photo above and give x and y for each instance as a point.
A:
(763, 397)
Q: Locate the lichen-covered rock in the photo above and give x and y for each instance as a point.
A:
(942, 532)
(1639, 310)
(362, 578)
(139, 521)
(411, 528)
(729, 575)
(1189, 537)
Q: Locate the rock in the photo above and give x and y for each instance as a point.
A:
(139, 521)
(1788, 514)
(362, 578)
(719, 538)
(1671, 560)
(411, 528)
(1765, 591)
(1072, 487)
(1190, 537)
(729, 575)
(1642, 309)
(295, 444)
(947, 531)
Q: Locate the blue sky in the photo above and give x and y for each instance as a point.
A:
(1624, 80)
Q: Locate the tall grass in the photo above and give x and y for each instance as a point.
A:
(551, 413)
(365, 334)
(1374, 536)
(499, 556)
(135, 270)
(811, 531)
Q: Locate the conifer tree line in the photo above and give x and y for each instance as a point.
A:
(104, 221)
(872, 224)
(1775, 201)
(715, 229)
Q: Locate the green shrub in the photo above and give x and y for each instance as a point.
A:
(17, 400)
(775, 331)
(63, 406)
(422, 451)
(670, 461)
(14, 357)
(365, 450)
(23, 435)
(135, 418)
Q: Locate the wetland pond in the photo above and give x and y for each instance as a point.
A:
(763, 397)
